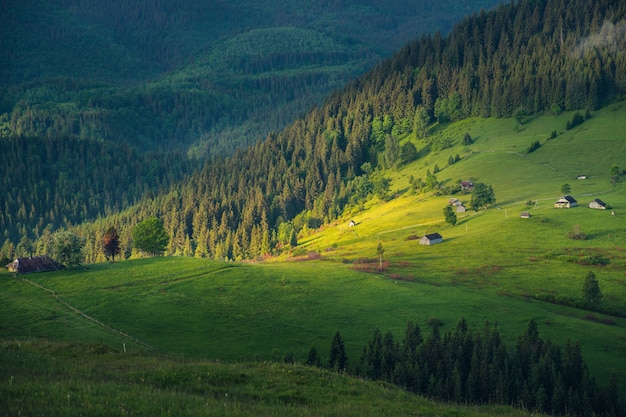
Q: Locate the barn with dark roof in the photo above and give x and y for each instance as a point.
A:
(33, 264)
(431, 239)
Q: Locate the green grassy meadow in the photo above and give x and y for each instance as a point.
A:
(492, 267)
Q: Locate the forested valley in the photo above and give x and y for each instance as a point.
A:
(189, 75)
(521, 59)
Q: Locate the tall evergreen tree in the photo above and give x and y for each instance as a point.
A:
(591, 289)
(337, 358)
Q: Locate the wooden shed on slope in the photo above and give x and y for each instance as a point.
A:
(597, 204)
(431, 239)
(567, 201)
(34, 264)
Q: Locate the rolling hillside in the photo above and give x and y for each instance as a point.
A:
(492, 267)
(314, 231)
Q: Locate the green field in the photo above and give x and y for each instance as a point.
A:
(492, 266)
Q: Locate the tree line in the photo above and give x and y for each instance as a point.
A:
(469, 367)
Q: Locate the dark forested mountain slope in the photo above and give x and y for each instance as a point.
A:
(46, 184)
(530, 57)
(211, 75)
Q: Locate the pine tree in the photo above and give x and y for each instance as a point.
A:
(337, 359)
(313, 358)
(591, 289)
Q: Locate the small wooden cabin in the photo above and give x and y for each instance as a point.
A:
(597, 204)
(431, 239)
(33, 264)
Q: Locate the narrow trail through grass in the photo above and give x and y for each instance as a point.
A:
(88, 317)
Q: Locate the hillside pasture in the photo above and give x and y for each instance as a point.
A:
(492, 266)
(195, 308)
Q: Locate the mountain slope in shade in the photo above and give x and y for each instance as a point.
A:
(141, 71)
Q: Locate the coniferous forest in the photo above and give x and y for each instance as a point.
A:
(477, 368)
(528, 57)
(188, 75)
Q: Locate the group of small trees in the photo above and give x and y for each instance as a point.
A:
(66, 247)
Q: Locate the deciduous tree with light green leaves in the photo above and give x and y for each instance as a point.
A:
(67, 248)
(566, 189)
(150, 237)
(615, 173)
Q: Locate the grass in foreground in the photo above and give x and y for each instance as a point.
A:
(70, 379)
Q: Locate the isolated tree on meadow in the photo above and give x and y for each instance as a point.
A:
(313, 358)
(566, 189)
(591, 289)
(450, 215)
(576, 233)
(380, 250)
(521, 116)
(67, 248)
(111, 243)
(614, 172)
(467, 140)
(150, 237)
(482, 196)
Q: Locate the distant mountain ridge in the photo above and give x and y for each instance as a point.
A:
(155, 36)
(141, 70)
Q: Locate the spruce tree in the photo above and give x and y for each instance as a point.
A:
(313, 358)
(591, 289)
(337, 359)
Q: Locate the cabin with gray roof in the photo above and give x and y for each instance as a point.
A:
(431, 239)
(597, 204)
(567, 201)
